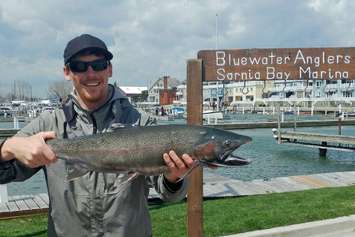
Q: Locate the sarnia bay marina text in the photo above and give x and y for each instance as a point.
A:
(272, 66)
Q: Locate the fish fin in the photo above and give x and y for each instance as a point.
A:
(75, 171)
(195, 164)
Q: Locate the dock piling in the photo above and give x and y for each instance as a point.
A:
(323, 151)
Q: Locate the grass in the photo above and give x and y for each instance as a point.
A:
(35, 225)
(235, 215)
(228, 215)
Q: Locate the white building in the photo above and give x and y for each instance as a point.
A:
(302, 92)
(228, 94)
(134, 93)
(133, 90)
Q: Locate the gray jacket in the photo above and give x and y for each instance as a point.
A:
(97, 204)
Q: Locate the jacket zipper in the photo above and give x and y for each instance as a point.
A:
(94, 124)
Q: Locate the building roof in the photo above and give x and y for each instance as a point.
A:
(172, 82)
(130, 90)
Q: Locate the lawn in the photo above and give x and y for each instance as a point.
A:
(228, 215)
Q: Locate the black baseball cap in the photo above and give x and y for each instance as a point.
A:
(83, 42)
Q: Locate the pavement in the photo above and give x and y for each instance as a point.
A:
(337, 227)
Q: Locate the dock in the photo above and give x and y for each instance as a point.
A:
(245, 125)
(4, 133)
(22, 205)
(321, 141)
(285, 124)
(11, 119)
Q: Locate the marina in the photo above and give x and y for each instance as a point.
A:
(286, 97)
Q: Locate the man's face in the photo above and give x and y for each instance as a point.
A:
(91, 86)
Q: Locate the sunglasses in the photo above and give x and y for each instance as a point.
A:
(80, 66)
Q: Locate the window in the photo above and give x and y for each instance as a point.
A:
(238, 98)
(249, 98)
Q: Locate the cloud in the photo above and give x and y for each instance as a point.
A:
(336, 19)
(153, 38)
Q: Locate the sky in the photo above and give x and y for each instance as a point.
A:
(152, 38)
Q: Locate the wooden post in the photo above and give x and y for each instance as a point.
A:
(194, 116)
(323, 151)
(339, 125)
(294, 118)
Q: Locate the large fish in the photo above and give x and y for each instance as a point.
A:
(140, 149)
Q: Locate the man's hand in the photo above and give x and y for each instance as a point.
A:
(31, 151)
(177, 166)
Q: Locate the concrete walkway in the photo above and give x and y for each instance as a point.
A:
(337, 227)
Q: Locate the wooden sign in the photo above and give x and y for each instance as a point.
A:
(278, 64)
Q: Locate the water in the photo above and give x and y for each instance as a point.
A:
(36, 184)
(9, 125)
(269, 159)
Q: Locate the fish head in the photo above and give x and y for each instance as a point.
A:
(216, 148)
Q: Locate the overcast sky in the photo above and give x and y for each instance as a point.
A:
(153, 38)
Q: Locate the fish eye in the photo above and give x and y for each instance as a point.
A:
(227, 143)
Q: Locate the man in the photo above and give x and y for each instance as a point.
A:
(96, 204)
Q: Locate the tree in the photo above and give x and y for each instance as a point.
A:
(60, 89)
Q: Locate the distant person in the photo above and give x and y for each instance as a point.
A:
(156, 111)
(214, 106)
(94, 204)
(162, 111)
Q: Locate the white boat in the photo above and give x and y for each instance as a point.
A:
(177, 112)
(212, 116)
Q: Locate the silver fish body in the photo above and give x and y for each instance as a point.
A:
(141, 149)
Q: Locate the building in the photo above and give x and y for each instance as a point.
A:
(305, 93)
(135, 93)
(226, 94)
(163, 91)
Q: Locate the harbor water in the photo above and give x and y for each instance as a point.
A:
(269, 159)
